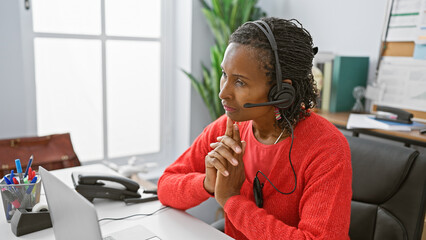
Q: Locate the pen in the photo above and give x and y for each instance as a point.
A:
(140, 200)
(27, 198)
(153, 191)
(11, 198)
(11, 188)
(28, 166)
(7, 180)
(11, 176)
(15, 181)
(19, 169)
(9, 208)
(30, 174)
(33, 174)
(30, 189)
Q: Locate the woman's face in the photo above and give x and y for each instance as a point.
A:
(243, 81)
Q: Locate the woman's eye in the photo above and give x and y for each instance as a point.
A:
(223, 74)
(238, 82)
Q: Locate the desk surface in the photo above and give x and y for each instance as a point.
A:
(340, 119)
(167, 224)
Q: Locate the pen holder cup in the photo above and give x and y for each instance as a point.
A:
(19, 196)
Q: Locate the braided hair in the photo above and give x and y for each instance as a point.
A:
(295, 56)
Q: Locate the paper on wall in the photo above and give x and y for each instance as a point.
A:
(404, 79)
(408, 21)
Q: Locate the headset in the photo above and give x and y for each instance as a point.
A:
(282, 96)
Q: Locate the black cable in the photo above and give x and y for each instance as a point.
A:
(384, 41)
(134, 215)
(291, 164)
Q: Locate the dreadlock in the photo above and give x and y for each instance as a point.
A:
(295, 57)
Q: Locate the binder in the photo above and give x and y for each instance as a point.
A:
(348, 72)
(326, 87)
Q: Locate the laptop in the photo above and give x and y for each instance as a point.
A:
(74, 217)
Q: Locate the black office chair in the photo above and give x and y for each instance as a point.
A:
(389, 191)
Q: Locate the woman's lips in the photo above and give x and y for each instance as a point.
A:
(228, 109)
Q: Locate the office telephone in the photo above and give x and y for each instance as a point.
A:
(92, 185)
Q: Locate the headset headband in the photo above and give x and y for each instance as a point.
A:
(268, 33)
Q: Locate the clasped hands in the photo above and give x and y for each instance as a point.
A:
(224, 165)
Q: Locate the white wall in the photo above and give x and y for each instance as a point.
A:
(351, 28)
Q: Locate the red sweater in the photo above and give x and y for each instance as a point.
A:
(318, 209)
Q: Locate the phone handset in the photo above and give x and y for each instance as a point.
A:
(98, 185)
(94, 180)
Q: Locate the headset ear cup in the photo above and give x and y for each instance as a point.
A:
(286, 93)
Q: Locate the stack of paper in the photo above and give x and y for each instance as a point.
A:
(367, 121)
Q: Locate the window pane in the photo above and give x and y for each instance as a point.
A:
(133, 18)
(69, 92)
(65, 16)
(133, 97)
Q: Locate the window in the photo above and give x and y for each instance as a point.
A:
(98, 75)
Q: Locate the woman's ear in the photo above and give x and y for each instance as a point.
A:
(288, 81)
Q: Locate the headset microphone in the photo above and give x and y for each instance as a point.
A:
(250, 105)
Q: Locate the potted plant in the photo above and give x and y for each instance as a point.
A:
(223, 17)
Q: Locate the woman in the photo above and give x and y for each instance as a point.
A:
(269, 186)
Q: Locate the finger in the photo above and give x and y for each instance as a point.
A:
(229, 130)
(244, 144)
(218, 156)
(226, 153)
(231, 143)
(236, 133)
(216, 163)
(214, 145)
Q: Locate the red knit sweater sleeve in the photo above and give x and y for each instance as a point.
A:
(181, 185)
(324, 208)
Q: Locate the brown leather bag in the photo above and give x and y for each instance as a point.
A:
(51, 152)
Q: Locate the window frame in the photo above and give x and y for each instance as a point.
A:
(166, 85)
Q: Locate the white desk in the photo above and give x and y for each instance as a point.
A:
(167, 224)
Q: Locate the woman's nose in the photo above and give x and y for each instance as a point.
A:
(225, 92)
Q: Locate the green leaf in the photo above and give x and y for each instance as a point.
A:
(197, 86)
(223, 18)
(227, 4)
(207, 80)
(245, 16)
(257, 14)
(217, 8)
(233, 17)
(205, 5)
(214, 25)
